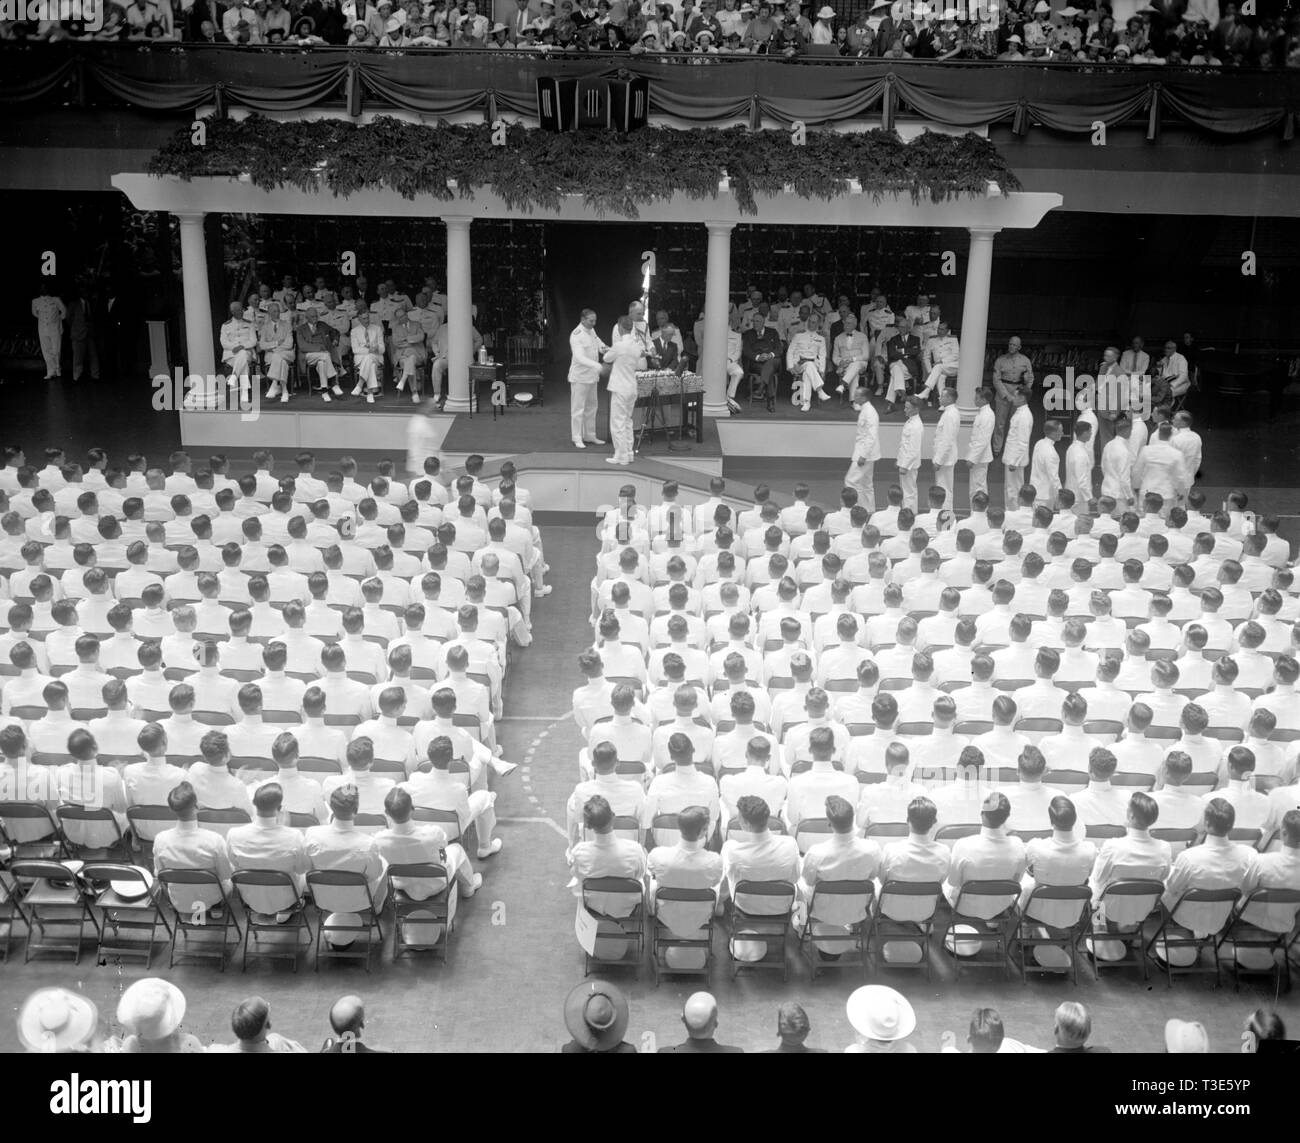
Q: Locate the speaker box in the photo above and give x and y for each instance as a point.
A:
(629, 103)
(557, 103)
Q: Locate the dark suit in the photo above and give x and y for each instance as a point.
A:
(766, 341)
(666, 349)
(705, 1045)
(785, 1049)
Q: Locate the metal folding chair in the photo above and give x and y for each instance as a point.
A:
(842, 909)
(682, 920)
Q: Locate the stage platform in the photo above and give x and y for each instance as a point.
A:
(351, 425)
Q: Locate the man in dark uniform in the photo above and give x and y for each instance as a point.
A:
(761, 353)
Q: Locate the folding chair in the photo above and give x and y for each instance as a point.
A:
(1054, 916)
(129, 902)
(682, 919)
(1067, 781)
(1105, 832)
(30, 826)
(55, 908)
(837, 928)
(340, 894)
(11, 909)
(82, 826)
(888, 829)
(811, 831)
(447, 819)
(904, 914)
(223, 821)
(618, 904)
(1105, 730)
(328, 766)
(762, 911)
(971, 727)
(991, 910)
(1274, 931)
(190, 893)
(949, 834)
(420, 914)
(1036, 729)
(1178, 839)
(267, 894)
(1028, 835)
(1126, 905)
(663, 831)
(1204, 911)
(147, 822)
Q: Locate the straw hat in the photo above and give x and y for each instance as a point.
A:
(56, 1020)
(880, 1013)
(596, 1015)
(151, 1008)
(826, 13)
(1041, 7)
(1186, 1037)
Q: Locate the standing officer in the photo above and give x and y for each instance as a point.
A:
(909, 451)
(1012, 373)
(866, 449)
(945, 444)
(979, 450)
(584, 372)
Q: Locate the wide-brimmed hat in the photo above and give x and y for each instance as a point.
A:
(151, 1008)
(596, 1015)
(1125, 49)
(826, 13)
(301, 20)
(56, 1020)
(702, 33)
(1070, 12)
(1014, 39)
(881, 4)
(880, 1013)
(1041, 7)
(498, 27)
(1185, 1037)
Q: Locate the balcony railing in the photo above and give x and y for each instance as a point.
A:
(1060, 96)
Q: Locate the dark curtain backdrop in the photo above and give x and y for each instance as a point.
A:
(816, 90)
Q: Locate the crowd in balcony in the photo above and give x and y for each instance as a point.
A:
(1195, 32)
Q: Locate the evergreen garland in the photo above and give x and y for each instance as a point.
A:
(614, 173)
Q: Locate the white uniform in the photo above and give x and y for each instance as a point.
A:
(979, 451)
(238, 341)
(941, 356)
(1161, 469)
(584, 372)
(624, 355)
(945, 451)
(1015, 453)
(1078, 473)
(50, 313)
(866, 448)
(735, 371)
(368, 354)
(1117, 471)
(1045, 472)
(806, 361)
(909, 458)
(850, 355)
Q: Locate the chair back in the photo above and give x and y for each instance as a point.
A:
(340, 891)
(1128, 903)
(914, 729)
(222, 821)
(1103, 831)
(1273, 910)
(1058, 906)
(1178, 839)
(147, 822)
(1036, 729)
(811, 831)
(1225, 733)
(192, 892)
(87, 827)
(664, 831)
(428, 878)
(328, 766)
(888, 829)
(27, 823)
(1205, 910)
(1068, 781)
(447, 819)
(736, 828)
(949, 834)
(627, 827)
(266, 890)
(984, 900)
(971, 727)
(764, 898)
(613, 896)
(842, 903)
(685, 912)
(912, 902)
(1105, 730)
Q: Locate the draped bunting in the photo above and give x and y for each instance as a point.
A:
(1063, 97)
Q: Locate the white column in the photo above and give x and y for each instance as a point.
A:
(717, 308)
(196, 296)
(460, 338)
(975, 317)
